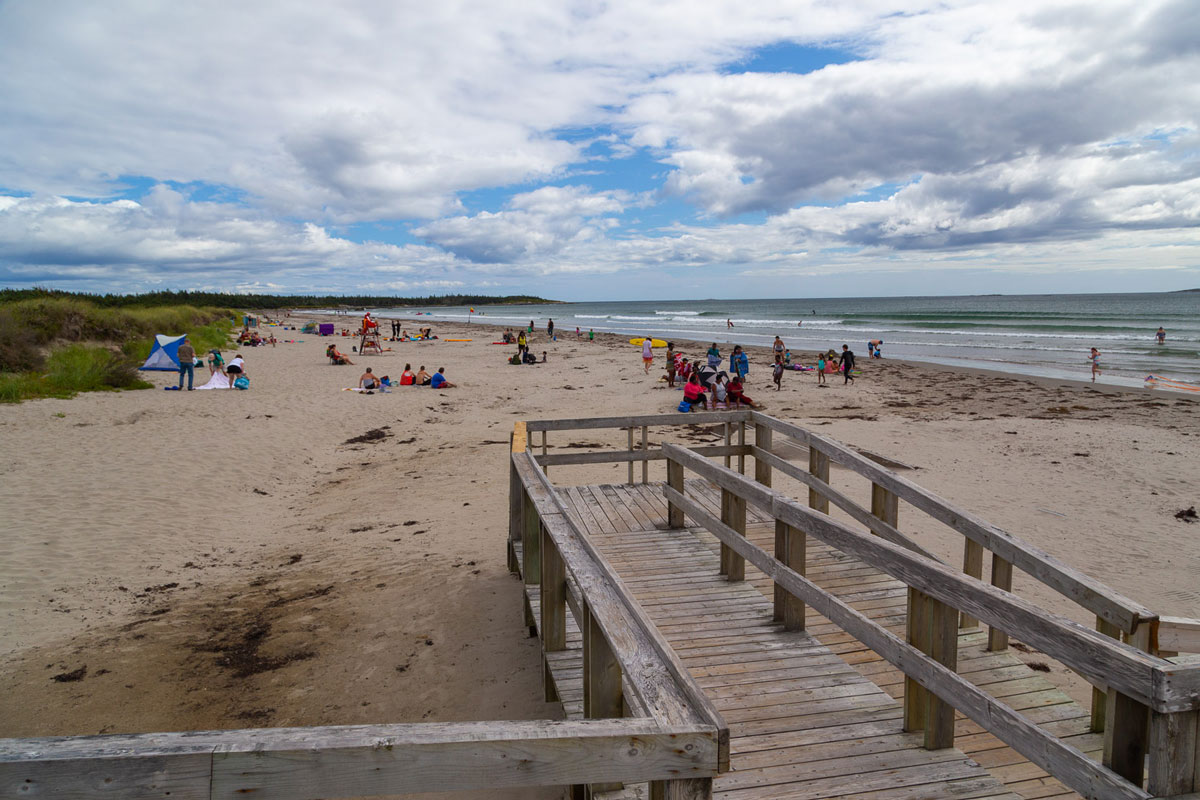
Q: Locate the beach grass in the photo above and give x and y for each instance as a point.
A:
(59, 346)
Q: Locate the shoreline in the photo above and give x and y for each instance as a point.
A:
(198, 519)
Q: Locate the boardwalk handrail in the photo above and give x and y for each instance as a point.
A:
(1093, 595)
(1171, 691)
(350, 761)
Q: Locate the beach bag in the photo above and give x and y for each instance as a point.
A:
(242, 383)
(685, 406)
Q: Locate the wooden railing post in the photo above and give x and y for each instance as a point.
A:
(545, 469)
(973, 566)
(645, 461)
(675, 481)
(885, 505)
(1126, 734)
(601, 682)
(1099, 696)
(1127, 721)
(516, 491)
(762, 440)
(943, 648)
(733, 514)
(818, 467)
(629, 430)
(553, 608)
(728, 442)
(916, 633)
(790, 546)
(682, 789)
(531, 541)
(1001, 579)
(742, 443)
(1174, 753)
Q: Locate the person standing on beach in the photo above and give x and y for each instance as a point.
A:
(739, 364)
(820, 368)
(777, 373)
(647, 353)
(187, 363)
(670, 365)
(847, 363)
(531, 326)
(236, 369)
(550, 330)
(1095, 359)
(778, 347)
(714, 356)
(1161, 335)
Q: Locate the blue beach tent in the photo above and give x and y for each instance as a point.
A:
(165, 354)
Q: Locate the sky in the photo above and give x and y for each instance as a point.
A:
(601, 149)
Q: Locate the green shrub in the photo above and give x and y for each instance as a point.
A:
(29, 326)
(80, 368)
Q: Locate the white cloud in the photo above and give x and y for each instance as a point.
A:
(965, 131)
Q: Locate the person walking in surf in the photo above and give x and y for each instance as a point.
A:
(1095, 359)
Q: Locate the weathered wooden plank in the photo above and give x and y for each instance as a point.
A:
(790, 550)
(1002, 579)
(1062, 760)
(346, 761)
(1067, 580)
(592, 423)
(973, 566)
(675, 481)
(1179, 634)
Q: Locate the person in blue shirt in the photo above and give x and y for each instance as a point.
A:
(439, 380)
(739, 364)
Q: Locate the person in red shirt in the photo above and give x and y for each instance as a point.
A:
(737, 395)
(693, 392)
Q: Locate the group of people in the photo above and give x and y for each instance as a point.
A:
(216, 365)
(251, 338)
(370, 382)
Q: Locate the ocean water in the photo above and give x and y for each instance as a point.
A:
(1045, 335)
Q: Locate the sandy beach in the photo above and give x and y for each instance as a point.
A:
(202, 560)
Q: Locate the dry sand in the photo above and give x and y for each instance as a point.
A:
(229, 559)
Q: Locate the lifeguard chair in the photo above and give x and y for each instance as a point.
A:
(369, 336)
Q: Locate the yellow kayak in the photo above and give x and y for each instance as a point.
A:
(653, 342)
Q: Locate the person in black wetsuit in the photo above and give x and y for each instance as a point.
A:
(846, 362)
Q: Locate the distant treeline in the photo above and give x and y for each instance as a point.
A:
(264, 301)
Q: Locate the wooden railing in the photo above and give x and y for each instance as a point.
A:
(1142, 703)
(1147, 688)
(622, 649)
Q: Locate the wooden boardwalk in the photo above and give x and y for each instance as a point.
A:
(812, 714)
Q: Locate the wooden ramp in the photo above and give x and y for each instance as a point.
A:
(673, 573)
(803, 722)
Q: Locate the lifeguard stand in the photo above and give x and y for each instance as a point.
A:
(370, 341)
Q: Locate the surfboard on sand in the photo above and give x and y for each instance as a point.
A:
(458, 340)
(653, 342)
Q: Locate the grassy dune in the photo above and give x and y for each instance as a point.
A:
(57, 347)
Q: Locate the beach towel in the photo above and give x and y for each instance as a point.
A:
(219, 380)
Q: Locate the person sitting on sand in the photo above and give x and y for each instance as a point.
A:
(422, 377)
(368, 382)
(236, 369)
(528, 357)
(406, 377)
(438, 381)
(737, 395)
(693, 393)
(720, 388)
(335, 357)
